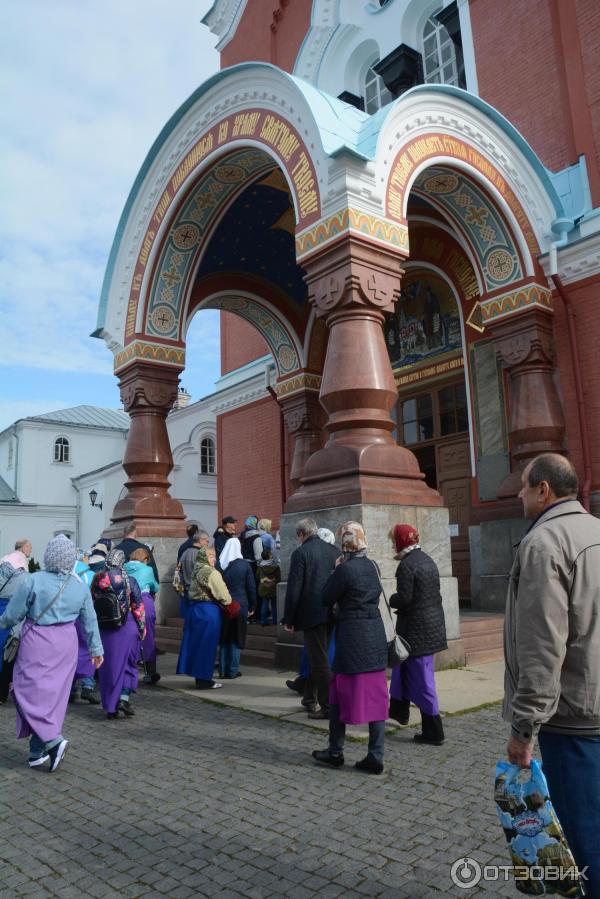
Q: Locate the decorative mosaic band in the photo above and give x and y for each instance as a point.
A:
(304, 381)
(151, 352)
(351, 220)
(522, 298)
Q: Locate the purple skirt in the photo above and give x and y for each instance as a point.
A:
(414, 681)
(42, 678)
(361, 697)
(149, 642)
(85, 666)
(121, 653)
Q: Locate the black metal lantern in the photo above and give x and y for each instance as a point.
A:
(93, 498)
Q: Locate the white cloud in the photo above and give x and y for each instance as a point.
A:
(90, 85)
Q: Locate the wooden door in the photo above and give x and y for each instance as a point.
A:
(454, 483)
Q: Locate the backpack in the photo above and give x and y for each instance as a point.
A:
(106, 604)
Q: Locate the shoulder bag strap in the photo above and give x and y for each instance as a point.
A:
(388, 607)
(54, 598)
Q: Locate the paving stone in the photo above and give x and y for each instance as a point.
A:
(211, 801)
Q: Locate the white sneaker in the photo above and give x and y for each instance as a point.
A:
(35, 763)
(57, 754)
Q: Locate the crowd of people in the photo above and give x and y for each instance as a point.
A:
(85, 625)
(81, 628)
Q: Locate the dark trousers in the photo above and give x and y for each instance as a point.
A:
(337, 735)
(572, 768)
(5, 680)
(316, 688)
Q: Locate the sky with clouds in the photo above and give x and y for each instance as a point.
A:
(86, 86)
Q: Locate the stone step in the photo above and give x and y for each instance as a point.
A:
(480, 622)
(484, 640)
(168, 633)
(261, 641)
(174, 622)
(168, 645)
(481, 656)
(257, 657)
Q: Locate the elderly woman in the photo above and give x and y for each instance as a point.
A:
(202, 624)
(358, 691)
(238, 577)
(118, 677)
(421, 622)
(138, 568)
(49, 602)
(13, 569)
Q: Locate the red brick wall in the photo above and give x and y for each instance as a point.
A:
(519, 72)
(249, 462)
(586, 302)
(588, 24)
(240, 342)
(254, 39)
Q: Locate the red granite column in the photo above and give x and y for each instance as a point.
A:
(536, 422)
(148, 393)
(304, 418)
(351, 286)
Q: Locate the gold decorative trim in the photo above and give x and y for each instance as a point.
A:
(509, 303)
(304, 381)
(151, 352)
(351, 220)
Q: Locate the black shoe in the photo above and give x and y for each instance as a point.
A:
(112, 715)
(57, 754)
(432, 731)
(150, 679)
(399, 710)
(296, 686)
(126, 708)
(324, 757)
(370, 765)
(318, 714)
(90, 696)
(233, 676)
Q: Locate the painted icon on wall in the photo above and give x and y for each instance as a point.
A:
(425, 321)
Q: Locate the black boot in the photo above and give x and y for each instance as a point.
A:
(399, 710)
(432, 730)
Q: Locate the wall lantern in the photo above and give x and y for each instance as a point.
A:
(93, 498)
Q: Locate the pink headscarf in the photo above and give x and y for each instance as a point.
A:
(17, 559)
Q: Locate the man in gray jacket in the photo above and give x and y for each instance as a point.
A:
(552, 652)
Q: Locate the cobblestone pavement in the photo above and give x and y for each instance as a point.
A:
(193, 799)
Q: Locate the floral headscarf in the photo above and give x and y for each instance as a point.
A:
(326, 535)
(352, 537)
(115, 558)
(60, 555)
(264, 525)
(251, 522)
(202, 567)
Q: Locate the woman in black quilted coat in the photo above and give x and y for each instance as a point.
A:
(358, 689)
(421, 622)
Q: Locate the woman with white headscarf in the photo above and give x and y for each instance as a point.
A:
(49, 602)
(239, 578)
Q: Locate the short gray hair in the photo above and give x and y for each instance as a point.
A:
(306, 527)
(201, 535)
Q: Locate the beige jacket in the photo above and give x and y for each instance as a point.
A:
(552, 626)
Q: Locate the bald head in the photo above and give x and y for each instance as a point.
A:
(546, 480)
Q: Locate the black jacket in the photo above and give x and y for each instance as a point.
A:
(360, 641)
(129, 545)
(419, 603)
(310, 566)
(239, 578)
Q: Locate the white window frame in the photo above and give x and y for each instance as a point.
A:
(436, 41)
(61, 444)
(380, 94)
(208, 461)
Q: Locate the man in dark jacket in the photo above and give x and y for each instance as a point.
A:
(191, 531)
(130, 543)
(311, 564)
(222, 535)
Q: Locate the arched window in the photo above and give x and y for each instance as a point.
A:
(207, 456)
(439, 54)
(376, 93)
(62, 450)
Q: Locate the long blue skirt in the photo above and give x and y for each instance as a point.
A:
(201, 632)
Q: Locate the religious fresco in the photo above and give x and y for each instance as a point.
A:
(425, 322)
